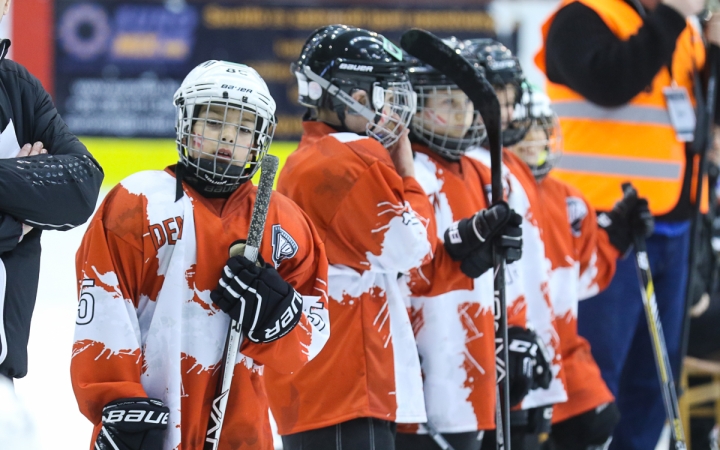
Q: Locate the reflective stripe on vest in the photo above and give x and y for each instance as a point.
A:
(629, 113)
(603, 165)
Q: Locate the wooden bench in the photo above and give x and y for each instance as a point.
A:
(693, 398)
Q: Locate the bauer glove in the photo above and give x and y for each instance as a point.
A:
(471, 240)
(133, 424)
(529, 363)
(266, 306)
(629, 217)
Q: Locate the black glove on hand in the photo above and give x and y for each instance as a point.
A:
(133, 424)
(266, 306)
(529, 363)
(629, 217)
(471, 240)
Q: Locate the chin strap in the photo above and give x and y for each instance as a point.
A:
(179, 175)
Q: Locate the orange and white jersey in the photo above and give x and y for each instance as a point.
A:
(146, 326)
(583, 264)
(528, 280)
(375, 225)
(453, 314)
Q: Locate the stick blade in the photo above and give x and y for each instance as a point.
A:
(431, 50)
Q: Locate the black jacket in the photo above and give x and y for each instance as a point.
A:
(583, 54)
(56, 191)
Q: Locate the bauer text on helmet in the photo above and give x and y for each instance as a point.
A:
(225, 122)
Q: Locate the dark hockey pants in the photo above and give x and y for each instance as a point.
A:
(357, 434)
(458, 441)
(590, 430)
(529, 429)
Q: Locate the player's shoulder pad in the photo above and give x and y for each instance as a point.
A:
(366, 149)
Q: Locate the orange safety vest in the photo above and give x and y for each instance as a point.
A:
(605, 147)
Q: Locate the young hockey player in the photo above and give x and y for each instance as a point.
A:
(453, 321)
(583, 262)
(354, 175)
(157, 290)
(530, 313)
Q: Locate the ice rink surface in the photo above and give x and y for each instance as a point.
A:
(46, 390)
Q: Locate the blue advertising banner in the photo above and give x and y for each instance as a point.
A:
(118, 63)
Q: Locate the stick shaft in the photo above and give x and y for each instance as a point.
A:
(491, 115)
(234, 337)
(657, 338)
(429, 48)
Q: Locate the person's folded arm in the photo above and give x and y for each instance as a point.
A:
(583, 54)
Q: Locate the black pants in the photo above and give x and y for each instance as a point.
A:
(458, 441)
(529, 429)
(357, 434)
(590, 430)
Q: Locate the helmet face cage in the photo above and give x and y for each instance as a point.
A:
(222, 141)
(502, 69)
(541, 147)
(444, 139)
(394, 104)
(517, 120)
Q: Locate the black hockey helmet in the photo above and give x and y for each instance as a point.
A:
(338, 60)
(430, 84)
(502, 69)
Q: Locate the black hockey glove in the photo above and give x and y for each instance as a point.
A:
(471, 240)
(133, 424)
(529, 363)
(629, 217)
(266, 306)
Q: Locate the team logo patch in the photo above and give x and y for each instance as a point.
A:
(284, 246)
(576, 211)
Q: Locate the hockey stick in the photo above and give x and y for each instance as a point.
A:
(235, 337)
(430, 49)
(662, 361)
(436, 436)
(704, 141)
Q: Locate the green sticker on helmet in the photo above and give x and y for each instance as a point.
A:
(392, 49)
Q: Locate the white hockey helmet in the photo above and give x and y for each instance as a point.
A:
(225, 121)
(541, 148)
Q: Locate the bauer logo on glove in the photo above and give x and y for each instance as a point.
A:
(255, 295)
(133, 424)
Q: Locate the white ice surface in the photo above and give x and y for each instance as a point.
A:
(46, 390)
